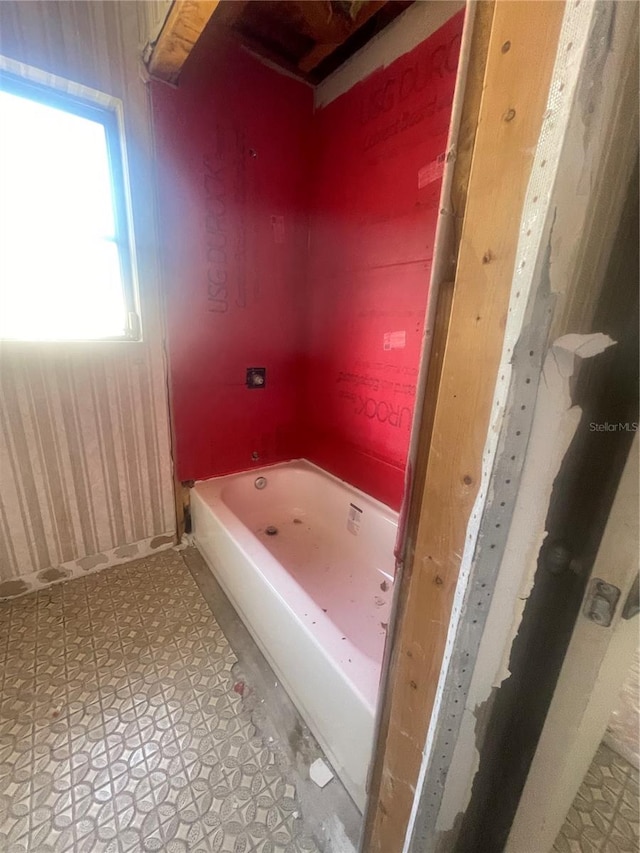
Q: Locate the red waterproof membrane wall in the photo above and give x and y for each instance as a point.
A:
(300, 242)
(232, 151)
(378, 161)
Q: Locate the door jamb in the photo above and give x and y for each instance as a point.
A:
(520, 54)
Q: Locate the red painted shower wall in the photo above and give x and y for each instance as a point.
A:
(302, 243)
(232, 165)
(376, 176)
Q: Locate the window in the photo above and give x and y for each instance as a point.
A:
(65, 259)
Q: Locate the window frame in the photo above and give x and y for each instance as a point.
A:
(76, 99)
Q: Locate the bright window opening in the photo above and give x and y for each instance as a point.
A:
(65, 264)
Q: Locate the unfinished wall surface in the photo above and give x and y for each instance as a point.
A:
(500, 558)
(301, 242)
(377, 168)
(232, 173)
(85, 461)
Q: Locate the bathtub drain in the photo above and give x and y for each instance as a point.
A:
(271, 530)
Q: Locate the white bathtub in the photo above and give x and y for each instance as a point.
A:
(315, 596)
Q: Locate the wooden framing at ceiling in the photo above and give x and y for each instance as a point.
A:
(508, 83)
(330, 37)
(307, 38)
(185, 21)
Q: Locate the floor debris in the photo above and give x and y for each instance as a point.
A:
(320, 773)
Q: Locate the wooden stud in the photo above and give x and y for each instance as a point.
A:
(474, 87)
(181, 30)
(520, 54)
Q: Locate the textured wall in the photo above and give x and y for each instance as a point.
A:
(85, 464)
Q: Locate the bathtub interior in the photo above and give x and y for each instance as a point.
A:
(302, 487)
(334, 541)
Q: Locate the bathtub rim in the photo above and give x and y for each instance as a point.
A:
(385, 509)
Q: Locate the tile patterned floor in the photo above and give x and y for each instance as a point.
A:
(624, 724)
(119, 727)
(604, 815)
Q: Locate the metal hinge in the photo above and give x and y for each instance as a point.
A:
(601, 601)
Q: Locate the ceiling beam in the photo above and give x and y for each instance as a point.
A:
(182, 28)
(325, 48)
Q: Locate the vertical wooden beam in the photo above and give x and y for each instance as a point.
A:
(520, 55)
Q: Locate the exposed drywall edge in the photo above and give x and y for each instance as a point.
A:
(555, 423)
(592, 672)
(407, 31)
(536, 228)
(574, 55)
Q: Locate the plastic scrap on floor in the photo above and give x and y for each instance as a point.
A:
(320, 773)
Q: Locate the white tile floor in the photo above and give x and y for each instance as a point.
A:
(120, 729)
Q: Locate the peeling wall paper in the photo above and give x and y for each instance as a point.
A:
(534, 235)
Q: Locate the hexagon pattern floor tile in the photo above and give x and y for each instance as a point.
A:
(604, 815)
(119, 727)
